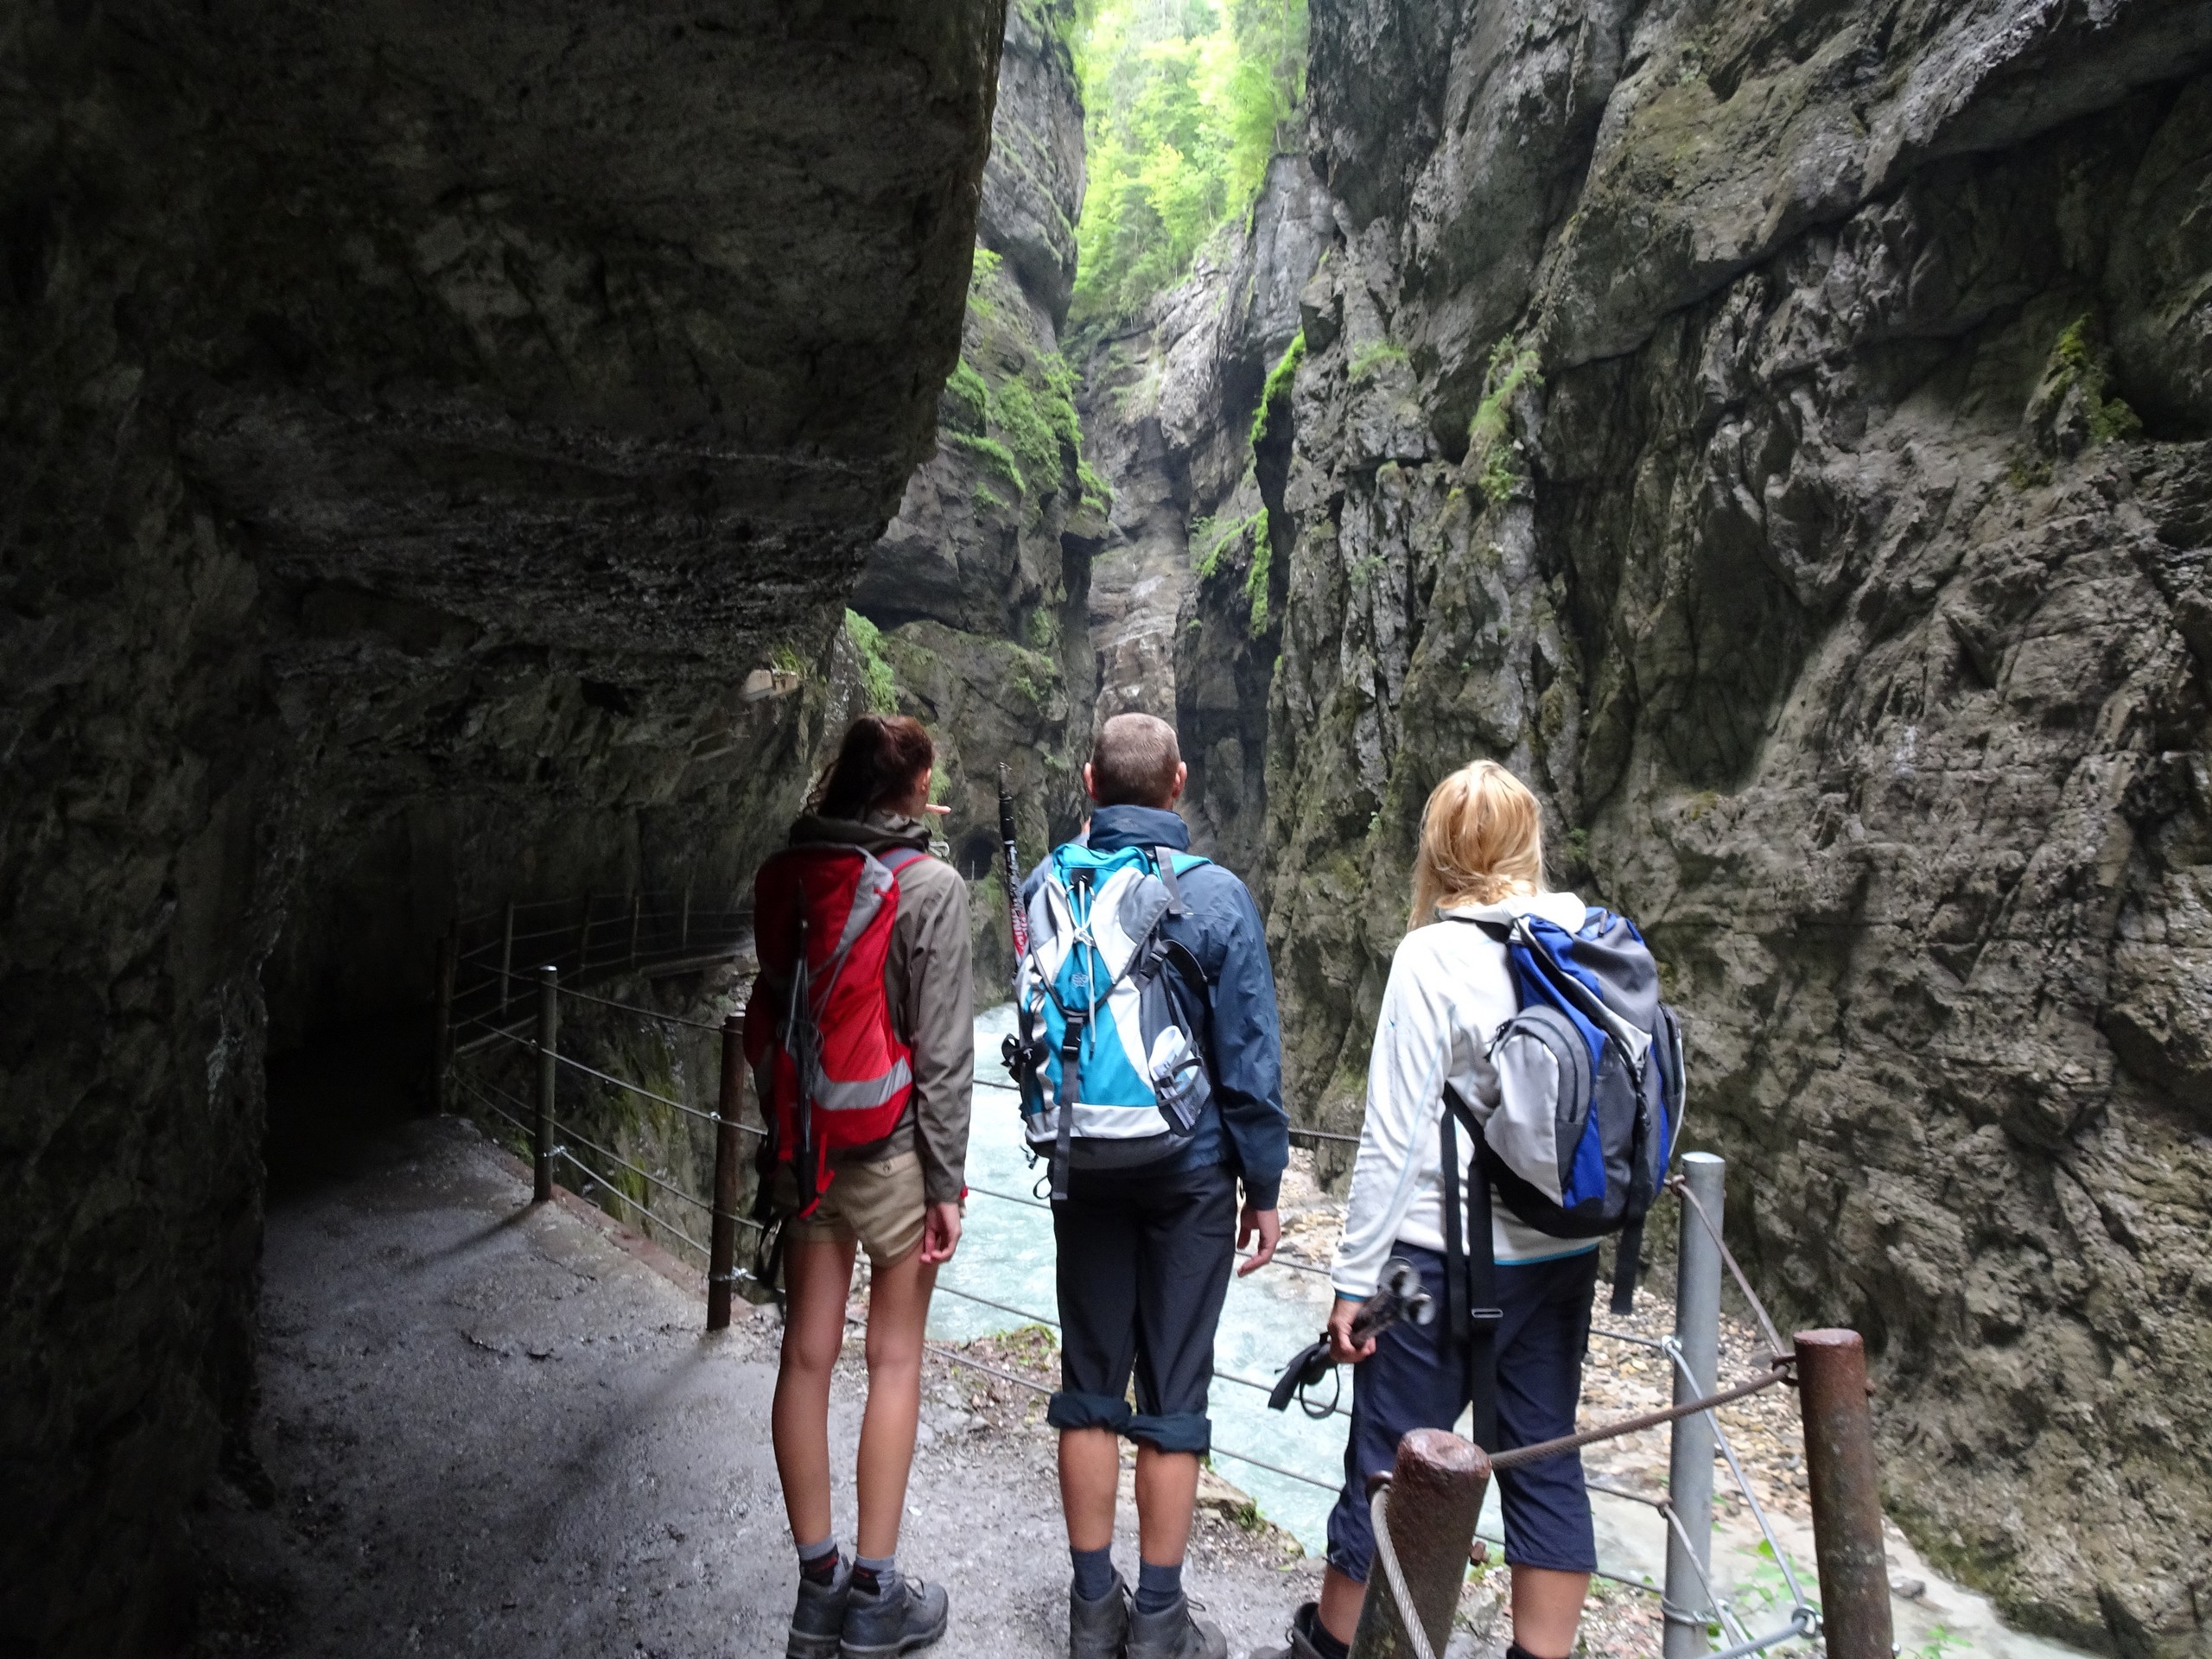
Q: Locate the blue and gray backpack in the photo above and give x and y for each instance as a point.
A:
(1590, 1075)
(1107, 1059)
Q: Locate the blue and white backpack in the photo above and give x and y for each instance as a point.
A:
(1110, 1069)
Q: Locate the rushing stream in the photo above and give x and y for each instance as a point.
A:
(1006, 1256)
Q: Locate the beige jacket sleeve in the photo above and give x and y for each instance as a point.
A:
(932, 993)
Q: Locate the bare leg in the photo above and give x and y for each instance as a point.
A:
(817, 1277)
(1167, 1492)
(1341, 1600)
(1548, 1609)
(898, 1315)
(1090, 1471)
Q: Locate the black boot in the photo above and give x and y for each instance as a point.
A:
(1172, 1633)
(819, 1620)
(1301, 1637)
(904, 1614)
(1100, 1629)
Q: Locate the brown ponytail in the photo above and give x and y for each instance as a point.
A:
(878, 762)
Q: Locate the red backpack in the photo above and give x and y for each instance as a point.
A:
(817, 1027)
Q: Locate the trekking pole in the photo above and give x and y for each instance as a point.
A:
(1846, 1492)
(1018, 923)
(1689, 1464)
(1424, 1530)
(722, 1242)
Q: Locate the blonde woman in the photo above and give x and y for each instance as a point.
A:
(1481, 861)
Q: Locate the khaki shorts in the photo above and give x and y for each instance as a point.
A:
(878, 1205)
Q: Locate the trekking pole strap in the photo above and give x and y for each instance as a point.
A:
(1628, 1260)
(1471, 1312)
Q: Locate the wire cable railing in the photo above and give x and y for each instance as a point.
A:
(554, 1139)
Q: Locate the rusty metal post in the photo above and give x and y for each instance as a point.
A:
(507, 961)
(634, 914)
(1689, 1470)
(1832, 1393)
(1436, 1497)
(683, 925)
(548, 1036)
(722, 1242)
(441, 1039)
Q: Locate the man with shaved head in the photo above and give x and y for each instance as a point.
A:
(1145, 1252)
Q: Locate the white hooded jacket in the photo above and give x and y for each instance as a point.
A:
(1449, 992)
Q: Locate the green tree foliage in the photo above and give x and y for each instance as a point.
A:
(1185, 99)
(875, 667)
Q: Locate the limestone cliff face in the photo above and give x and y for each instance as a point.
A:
(420, 425)
(1169, 404)
(980, 584)
(1780, 432)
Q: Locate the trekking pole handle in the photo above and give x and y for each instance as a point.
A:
(1398, 1295)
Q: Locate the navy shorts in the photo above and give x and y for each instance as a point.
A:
(1413, 1380)
(1144, 1260)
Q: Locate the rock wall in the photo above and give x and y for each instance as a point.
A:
(422, 424)
(1169, 403)
(1780, 432)
(979, 584)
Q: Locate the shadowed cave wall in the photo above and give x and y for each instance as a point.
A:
(418, 424)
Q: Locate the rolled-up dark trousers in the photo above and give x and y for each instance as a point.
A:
(1416, 1378)
(1144, 1260)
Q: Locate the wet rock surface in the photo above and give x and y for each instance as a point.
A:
(423, 427)
(1181, 592)
(979, 584)
(1781, 439)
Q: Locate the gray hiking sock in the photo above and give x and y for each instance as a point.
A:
(1093, 1572)
(819, 1561)
(1158, 1587)
(875, 1575)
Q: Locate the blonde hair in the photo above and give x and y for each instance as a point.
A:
(1482, 839)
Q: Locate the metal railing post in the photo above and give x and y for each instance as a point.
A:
(683, 925)
(721, 1242)
(548, 1035)
(507, 960)
(634, 915)
(1689, 1464)
(441, 1039)
(1436, 1497)
(1846, 1492)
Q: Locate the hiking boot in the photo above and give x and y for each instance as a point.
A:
(906, 1614)
(1100, 1629)
(1301, 1637)
(819, 1620)
(1174, 1634)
